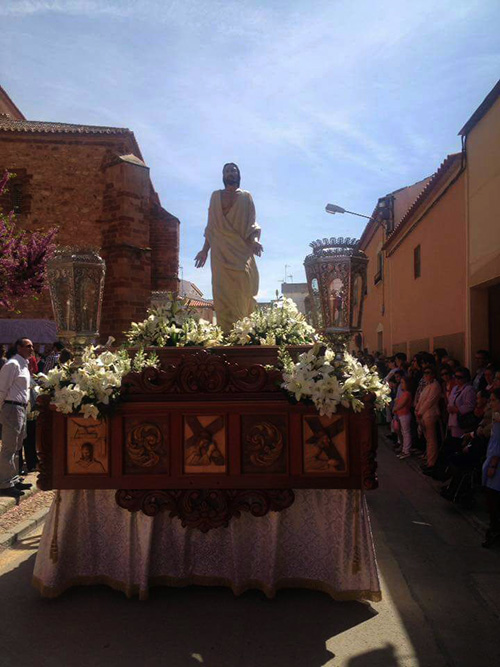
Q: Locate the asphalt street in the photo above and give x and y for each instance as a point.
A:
(441, 605)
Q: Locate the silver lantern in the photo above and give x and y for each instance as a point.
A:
(76, 283)
(336, 276)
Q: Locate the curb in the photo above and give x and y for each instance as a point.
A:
(8, 539)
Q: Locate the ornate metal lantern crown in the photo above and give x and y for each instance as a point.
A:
(334, 246)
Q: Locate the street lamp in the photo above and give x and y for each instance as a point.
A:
(333, 208)
(383, 215)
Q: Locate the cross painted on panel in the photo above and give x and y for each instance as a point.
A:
(325, 447)
(204, 444)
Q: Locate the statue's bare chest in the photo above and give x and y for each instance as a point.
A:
(228, 199)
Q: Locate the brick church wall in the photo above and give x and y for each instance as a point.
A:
(164, 244)
(78, 184)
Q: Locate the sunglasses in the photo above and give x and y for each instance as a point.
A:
(459, 377)
(427, 373)
(444, 375)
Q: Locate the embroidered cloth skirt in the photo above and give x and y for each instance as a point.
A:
(322, 542)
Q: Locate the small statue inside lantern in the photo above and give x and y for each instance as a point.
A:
(337, 302)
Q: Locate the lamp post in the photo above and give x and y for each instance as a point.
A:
(384, 211)
(334, 208)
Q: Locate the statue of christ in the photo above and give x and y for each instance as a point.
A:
(233, 237)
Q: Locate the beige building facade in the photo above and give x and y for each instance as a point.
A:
(434, 251)
(378, 313)
(481, 137)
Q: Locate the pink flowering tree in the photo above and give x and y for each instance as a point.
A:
(23, 257)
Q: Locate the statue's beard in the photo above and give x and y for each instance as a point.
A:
(231, 180)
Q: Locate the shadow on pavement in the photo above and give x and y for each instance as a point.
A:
(380, 657)
(175, 627)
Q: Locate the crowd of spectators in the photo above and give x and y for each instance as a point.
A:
(450, 419)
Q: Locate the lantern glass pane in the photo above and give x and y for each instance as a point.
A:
(357, 297)
(318, 312)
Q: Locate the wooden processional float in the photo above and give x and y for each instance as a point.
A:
(212, 433)
(209, 435)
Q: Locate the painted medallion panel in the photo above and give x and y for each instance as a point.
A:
(205, 444)
(146, 446)
(264, 443)
(87, 451)
(325, 444)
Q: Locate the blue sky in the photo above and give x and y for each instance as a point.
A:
(316, 101)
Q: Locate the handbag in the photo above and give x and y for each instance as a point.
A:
(396, 426)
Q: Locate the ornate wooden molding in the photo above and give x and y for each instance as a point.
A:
(205, 509)
(203, 373)
(44, 444)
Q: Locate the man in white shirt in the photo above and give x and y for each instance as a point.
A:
(14, 396)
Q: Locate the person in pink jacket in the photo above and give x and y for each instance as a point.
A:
(427, 411)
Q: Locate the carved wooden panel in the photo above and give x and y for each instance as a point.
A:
(237, 439)
(325, 444)
(205, 509)
(87, 446)
(146, 445)
(204, 444)
(264, 443)
(203, 373)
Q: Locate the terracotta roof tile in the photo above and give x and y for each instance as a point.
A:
(10, 125)
(200, 303)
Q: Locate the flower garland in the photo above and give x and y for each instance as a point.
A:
(280, 324)
(173, 325)
(95, 385)
(329, 382)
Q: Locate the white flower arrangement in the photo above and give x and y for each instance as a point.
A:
(173, 325)
(93, 386)
(328, 382)
(280, 324)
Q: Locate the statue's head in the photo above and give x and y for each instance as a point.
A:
(231, 174)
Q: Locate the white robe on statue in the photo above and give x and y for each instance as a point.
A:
(235, 279)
